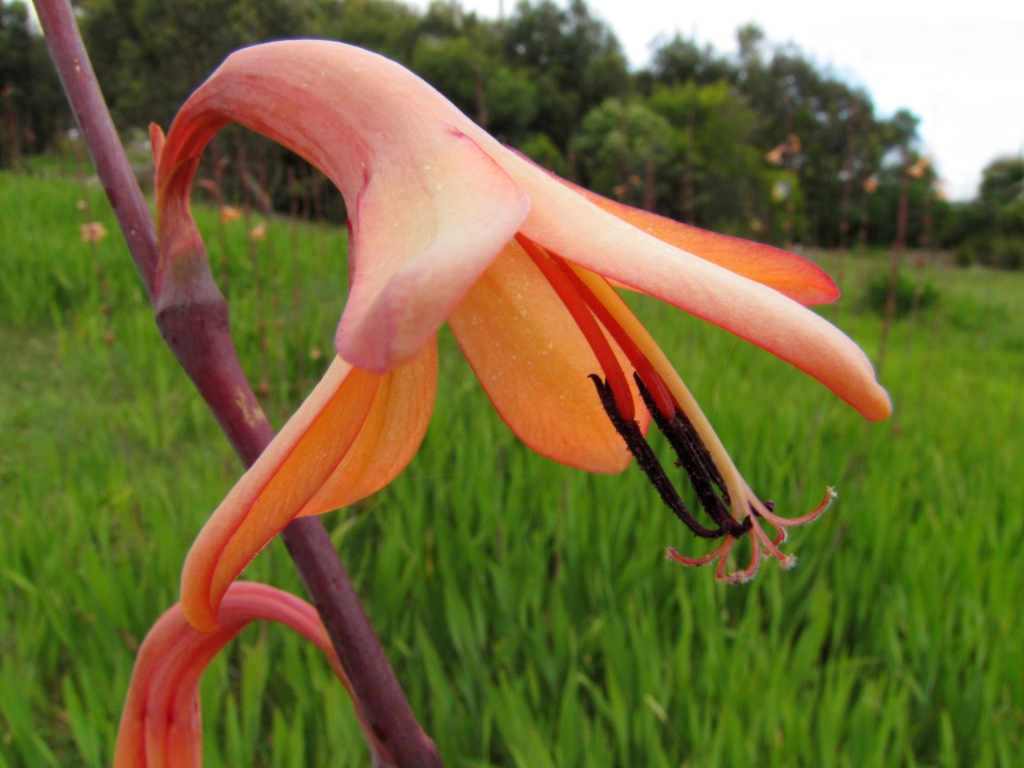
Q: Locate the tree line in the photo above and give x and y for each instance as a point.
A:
(764, 144)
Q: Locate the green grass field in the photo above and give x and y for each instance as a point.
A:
(528, 608)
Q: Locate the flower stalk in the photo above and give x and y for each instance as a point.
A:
(193, 319)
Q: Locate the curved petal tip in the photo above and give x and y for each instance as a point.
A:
(161, 724)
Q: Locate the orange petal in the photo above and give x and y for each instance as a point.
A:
(533, 362)
(430, 210)
(308, 454)
(786, 272)
(389, 437)
(161, 724)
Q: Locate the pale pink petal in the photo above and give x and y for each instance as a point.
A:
(429, 209)
(789, 274)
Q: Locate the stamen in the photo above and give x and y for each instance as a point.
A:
(722, 551)
(698, 445)
(747, 574)
(649, 463)
(588, 325)
(698, 450)
(814, 514)
(680, 393)
(689, 456)
(618, 402)
(786, 561)
(643, 366)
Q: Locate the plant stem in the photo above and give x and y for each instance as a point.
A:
(196, 329)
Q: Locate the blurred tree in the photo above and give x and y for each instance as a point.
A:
(453, 67)
(626, 152)
(1003, 181)
(990, 229)
(150, 54)
(32, 105)
(708, 138)
(718, 175)
(388, 27)
(512, 103)
(542, 150)
(680, 61)
(793, 98)
(574, 59)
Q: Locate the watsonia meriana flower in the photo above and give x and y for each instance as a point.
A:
(446, 223)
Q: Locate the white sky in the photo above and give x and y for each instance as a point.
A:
(959, 66)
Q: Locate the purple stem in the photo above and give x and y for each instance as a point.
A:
(195, 326)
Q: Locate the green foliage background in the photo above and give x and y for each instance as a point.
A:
(527, 607)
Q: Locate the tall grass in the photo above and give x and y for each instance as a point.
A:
(527, 608)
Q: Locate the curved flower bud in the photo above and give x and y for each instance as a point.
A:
(161, 724)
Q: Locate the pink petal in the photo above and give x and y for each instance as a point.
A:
(430, 210)
(786, 272)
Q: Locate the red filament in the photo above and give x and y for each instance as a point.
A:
(643, 366)
(577, 307)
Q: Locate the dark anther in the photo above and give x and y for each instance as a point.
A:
(694, 458)
(648, 462)
(691, 455)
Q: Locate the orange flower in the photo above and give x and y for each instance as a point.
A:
(259, 232)
(93, 232)
(916, 171)
(776, 156)
(448, 224)
(161, 725)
